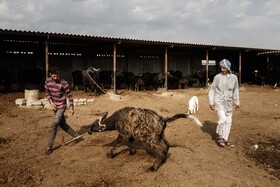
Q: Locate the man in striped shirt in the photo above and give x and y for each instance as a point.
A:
(57, 90)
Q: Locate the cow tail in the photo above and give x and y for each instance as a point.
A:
(196, 120)
(177, 116)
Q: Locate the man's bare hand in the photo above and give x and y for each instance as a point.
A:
(72, 111)
(237, 107)
(53, 106)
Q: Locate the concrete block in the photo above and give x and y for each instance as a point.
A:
(36, 103)
(114, 97)
(90, 100)
(167, 94)
(80, 101)
(161, 90)
(21, 102)
(45, 103)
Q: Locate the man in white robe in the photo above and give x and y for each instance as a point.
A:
(223, 93)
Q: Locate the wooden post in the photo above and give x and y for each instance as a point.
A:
(165, 68)
(206, 67)
(240, 64)
(47, 56)
(115, 67)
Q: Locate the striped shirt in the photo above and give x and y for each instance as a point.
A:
(57, 92)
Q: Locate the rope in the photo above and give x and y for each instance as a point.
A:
(96, 83)
(76, 138)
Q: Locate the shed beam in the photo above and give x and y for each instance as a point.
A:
(240, 65)
(206, 67)
(115, 67)
(47, 56)
(165, 68)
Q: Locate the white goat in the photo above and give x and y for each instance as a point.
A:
(193, 105)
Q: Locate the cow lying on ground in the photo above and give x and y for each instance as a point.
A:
(139, 125)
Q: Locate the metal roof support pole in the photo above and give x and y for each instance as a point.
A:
(114, 66)
(240, 64)
(206, 67)
(165, 68)
(47, 56)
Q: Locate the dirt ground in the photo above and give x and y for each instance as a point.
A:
(194, 159)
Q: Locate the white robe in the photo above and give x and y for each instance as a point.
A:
(223, 92)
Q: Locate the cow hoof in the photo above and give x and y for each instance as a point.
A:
(110, 155)
(152, 169)
(132, 152)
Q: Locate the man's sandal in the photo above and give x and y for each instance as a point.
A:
(221, 142)
(230, 144)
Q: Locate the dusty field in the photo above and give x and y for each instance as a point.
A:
(194, 160)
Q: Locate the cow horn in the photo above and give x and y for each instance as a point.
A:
(95, 69)
(103, 116)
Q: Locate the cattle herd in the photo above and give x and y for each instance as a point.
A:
(127, 80)
(270, 77)
(152, 81)
(96, 80)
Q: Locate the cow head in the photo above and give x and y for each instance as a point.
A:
(92, 69)
(98, 125)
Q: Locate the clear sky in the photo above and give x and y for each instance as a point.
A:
(241, 23)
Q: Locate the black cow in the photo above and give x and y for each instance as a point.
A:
(120, 80)
(158, 80)
(91, 80)
(172, 80)
(139, 126)
(31, 79)
(183, 82)
(125, 80)
(5, 79)
(105, 79)
(176, 74)
(77, 79)
(144, 81)
(201, 76)
(270, 77)
(148, 79)
(258, 77)
(139, 83)
(129, 79)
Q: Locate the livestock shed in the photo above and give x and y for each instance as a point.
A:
(26, 57)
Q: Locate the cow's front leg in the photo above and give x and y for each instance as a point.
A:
(116, 142)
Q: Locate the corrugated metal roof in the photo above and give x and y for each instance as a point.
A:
(128, 40)
(269, 53)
